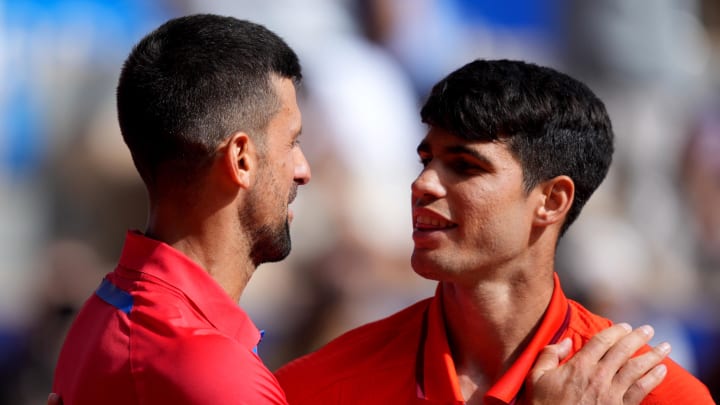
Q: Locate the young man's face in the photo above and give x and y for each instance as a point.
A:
(283, 168)
(471, 215)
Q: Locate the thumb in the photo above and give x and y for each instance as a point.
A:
(549, 358)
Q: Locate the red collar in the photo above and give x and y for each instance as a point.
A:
(439, 380)
(145, 258)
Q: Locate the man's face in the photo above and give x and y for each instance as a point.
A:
(283, 168)
(471, 215)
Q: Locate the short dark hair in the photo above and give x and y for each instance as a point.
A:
(194, 81)
(553, 124)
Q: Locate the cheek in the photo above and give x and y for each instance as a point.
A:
(288, 166)
(487, 219)
(281, 171)
(478, 206)
(476, 216)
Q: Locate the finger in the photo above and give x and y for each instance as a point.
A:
(638, 366)
(549, 358)
(638, 391)
(54, 399)
(619, 354)
(598, 345)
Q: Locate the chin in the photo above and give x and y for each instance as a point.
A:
(433, 266)
(272, 245)
(281, 249)
(424, 267)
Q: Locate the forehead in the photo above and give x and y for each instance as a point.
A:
(288, 118)
(285, 90)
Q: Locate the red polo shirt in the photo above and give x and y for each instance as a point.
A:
(160, 330)
(406, 359)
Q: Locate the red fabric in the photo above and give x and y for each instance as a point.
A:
(405, 359)
(184, 341)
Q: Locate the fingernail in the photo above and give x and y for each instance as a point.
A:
(647, 330)
(664, 347)
(660, 370)
(625, 326)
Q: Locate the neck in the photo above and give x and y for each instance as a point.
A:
(209, 240)
(503, 313)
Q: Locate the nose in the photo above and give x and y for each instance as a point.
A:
(427, 185)
(302, 168)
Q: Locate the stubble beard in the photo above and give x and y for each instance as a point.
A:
(269, 242)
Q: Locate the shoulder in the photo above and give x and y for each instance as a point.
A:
(205, 368)
(357, 355)
(583, 323)
(679, 387)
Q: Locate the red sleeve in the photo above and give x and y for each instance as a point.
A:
(209, 369)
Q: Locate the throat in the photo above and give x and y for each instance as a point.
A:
(487, 328)
(473, 386)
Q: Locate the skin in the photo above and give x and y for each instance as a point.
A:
(483, 246)
(246, 189)
(237, 216)
(477, 232)
(491, 245)
(282, 159)
(602, 372)
(475, 191)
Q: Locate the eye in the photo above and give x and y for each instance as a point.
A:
(464, 166)
(424, 160)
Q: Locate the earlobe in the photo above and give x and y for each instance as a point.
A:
(238, 159)
(556, 199)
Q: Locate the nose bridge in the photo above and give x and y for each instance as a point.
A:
(302, 167)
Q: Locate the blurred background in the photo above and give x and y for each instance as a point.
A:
(646, 249)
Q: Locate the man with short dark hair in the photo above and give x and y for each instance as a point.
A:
(513, 152)
(208, 109)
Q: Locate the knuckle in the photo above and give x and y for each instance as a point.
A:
(634, 394)
(635, 340)
(640, 387)
(603, 340)
(577, 371)
(626, 347)
(637, 366)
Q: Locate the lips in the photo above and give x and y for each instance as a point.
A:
(291, 198)
(293, 193)
(427, 220)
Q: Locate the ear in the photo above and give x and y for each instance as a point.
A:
(239, 159)
(555, 201)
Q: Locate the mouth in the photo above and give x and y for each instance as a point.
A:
(293, 194)
(430, 229)
(291, 198)
(426, 220)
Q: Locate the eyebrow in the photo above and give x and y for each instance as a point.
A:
(464, 150)
(424, 147)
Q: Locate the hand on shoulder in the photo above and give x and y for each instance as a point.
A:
(603, 372)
